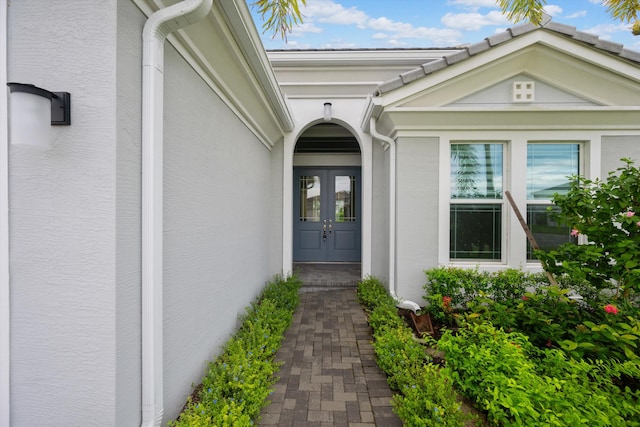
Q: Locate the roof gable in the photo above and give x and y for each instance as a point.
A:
(556, 55)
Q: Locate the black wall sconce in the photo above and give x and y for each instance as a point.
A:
(33, 110)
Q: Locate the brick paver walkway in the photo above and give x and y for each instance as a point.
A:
(329, 376)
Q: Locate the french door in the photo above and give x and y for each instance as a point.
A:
(326, 214)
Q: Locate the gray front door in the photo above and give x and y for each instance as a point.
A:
(326, 214)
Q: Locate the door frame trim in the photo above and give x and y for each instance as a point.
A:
(366, 155)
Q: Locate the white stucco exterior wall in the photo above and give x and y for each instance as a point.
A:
(417, 217)
(617, 147)
(63, 222)
(217, 191)
(128, 214)
(380, 214)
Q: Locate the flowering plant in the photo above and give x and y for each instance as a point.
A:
(611, 309)
(605, 212)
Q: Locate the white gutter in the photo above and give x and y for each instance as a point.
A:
(5, 318)
(391, 144)
(157, 28)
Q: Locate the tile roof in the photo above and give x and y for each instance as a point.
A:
(496, 39)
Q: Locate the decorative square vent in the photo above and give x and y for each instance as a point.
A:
(523, 92)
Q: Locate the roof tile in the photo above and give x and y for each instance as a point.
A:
(585, 37)
(390, 85)
(478, 47)
(609, 46)
(522, 29)
(633, 55)
(499, 38)
(456, 57)
(432, 66)
(412, 75)
(561, 28)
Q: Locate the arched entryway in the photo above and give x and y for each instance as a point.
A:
(327, 197)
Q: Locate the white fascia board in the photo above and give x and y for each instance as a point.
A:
(580, 118)
(248, 38)
(355, 57)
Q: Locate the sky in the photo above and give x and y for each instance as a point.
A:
(347, 24)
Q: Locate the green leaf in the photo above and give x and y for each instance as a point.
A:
(568, 345)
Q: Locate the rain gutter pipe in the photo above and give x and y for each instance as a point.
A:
(391, 145)
(156, 30)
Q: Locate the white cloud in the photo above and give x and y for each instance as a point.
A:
(606, 30)
(305, 28)
(380, 36)
(553, 10)
(473, 21)
(578, 14)
(329, 12)
(474, 3)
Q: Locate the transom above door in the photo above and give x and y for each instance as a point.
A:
(326, 214)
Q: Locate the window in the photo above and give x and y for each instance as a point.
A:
(476, 201)
(549, 165)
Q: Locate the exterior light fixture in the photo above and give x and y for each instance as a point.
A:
(327, 111)
(33, 111)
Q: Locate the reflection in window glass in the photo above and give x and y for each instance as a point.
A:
(310, 198)
(345, 195)
(476, 231)
(548, 166)
(546, 231)
(476, 171)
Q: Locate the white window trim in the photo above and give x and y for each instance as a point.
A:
(514, 253)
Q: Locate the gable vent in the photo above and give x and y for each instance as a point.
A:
(523, 92)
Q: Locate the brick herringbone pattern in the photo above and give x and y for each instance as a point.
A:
(329, 376)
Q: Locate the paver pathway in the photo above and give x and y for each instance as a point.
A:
(329, 376)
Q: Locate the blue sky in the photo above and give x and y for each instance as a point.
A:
(335, 24)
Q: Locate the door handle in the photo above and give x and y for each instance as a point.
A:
(330, 226)
(324, 230)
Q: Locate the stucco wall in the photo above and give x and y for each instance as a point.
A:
(62, 205)
(380, 214)
(417, 217)
(615, 148)
(128, 205)
(216, 226)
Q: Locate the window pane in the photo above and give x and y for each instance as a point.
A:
(548, 166)
(548, 234)
(476, 171)
(345, 207)
(476, 231)
(310, 198)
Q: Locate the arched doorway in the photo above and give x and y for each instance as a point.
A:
(327, 196)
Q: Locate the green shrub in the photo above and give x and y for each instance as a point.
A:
(428, 400)
(517, 384)
(424, 398)
(239, 381)
(371, 293)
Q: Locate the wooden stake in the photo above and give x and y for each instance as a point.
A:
(529, 234)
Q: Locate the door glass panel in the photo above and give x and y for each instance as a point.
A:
(310, 198)
(345, 196)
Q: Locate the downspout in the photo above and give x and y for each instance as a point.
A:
(5, 306)
(391, 145)
(156, 30)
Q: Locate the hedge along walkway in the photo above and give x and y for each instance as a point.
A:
(329, 376)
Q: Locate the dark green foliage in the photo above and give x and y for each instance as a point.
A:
(239, 381)
(424, 397)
